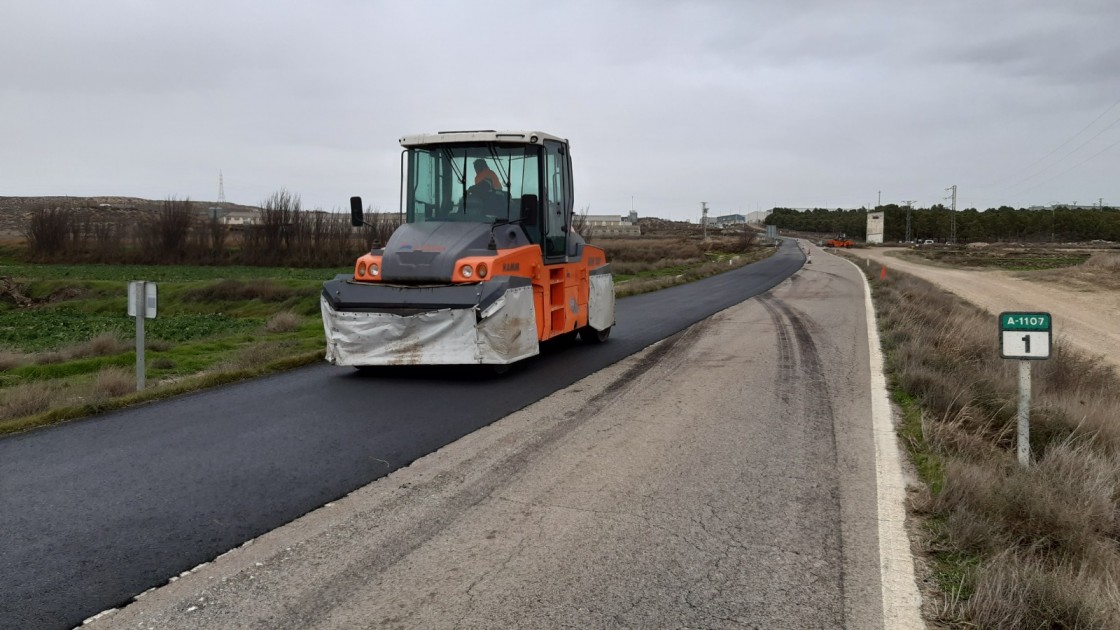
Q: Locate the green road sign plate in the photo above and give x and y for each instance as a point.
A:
(1024, 321)
(1025, 335)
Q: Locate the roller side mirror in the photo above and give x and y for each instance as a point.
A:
(356, 218)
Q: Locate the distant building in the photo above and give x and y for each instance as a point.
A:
(241, 218)
(611, 225)
(1068, 206)
(727, 219)
(758, 216)
(875, 223)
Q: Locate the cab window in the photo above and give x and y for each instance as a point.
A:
(558, 202)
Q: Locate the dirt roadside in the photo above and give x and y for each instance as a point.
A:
(1086, 319)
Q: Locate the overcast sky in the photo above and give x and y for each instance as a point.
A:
(745, 105)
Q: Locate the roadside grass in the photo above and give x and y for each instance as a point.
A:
(1002, 257)
(1010, 547)
(1100, 272)
(651, 264)
(71, 352)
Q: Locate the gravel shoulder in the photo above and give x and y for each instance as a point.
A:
(1085, 319)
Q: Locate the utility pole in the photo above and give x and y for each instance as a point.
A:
(704, 217)
(221, 189)
(953, 215)
(909, 208)
(880, 202)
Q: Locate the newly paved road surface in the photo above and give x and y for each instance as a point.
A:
(724, 478)
(96, 511)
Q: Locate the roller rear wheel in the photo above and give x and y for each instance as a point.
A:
(590, 335)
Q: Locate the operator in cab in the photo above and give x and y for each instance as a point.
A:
(483, 173)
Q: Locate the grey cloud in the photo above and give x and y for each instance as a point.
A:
(741, 104)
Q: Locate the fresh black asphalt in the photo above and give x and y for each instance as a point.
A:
(96, 511)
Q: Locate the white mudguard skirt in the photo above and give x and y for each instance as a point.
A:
(504, 332)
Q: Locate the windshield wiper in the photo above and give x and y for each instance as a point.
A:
(504, 174)
(454, 167)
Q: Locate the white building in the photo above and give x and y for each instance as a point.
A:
(610, 225)
(241, 217)
(875, 226)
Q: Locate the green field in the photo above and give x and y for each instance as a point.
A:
(67, 343)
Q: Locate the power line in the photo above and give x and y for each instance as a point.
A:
(1067, 141)
(1075, 166)
(1075, 150)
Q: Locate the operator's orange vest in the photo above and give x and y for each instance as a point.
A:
(490, 176)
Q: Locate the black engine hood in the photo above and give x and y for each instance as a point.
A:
(427, 252)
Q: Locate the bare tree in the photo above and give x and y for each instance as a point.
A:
(581, 226)
(48, 230)
(163, 237)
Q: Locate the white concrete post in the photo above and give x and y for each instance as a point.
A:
(1024, 413)
(141, 292)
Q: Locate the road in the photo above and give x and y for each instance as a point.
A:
(97, 511)
(724, 477)
(1087, 320)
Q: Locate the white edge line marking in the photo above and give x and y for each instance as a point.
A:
(901, 601)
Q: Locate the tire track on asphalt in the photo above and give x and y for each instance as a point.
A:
(804, 381)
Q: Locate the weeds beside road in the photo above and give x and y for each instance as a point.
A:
(69, 351)
(1011, 547)
(649, 264)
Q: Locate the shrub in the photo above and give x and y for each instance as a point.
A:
(285, 321)
(114, 381)
(105, 344)
(12, 360)
(48, 229)
(24, 400)
(163, 237)
(1104, 260)
(157, 345)
(255, 356)
(236, 291)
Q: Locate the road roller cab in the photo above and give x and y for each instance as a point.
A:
(484, 266)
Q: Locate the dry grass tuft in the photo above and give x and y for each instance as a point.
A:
(1107, 261)
(114, 381)
(50, 358)
(1097, 273)
(25, 399)
(282, 322)
(254, 356)
(105, 344)
(238, 291)
(12, 360)
(1013, 591)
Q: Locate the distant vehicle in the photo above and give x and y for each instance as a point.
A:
(839, 241)
(928, 241)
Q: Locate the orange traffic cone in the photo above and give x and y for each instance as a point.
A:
(883, 273)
